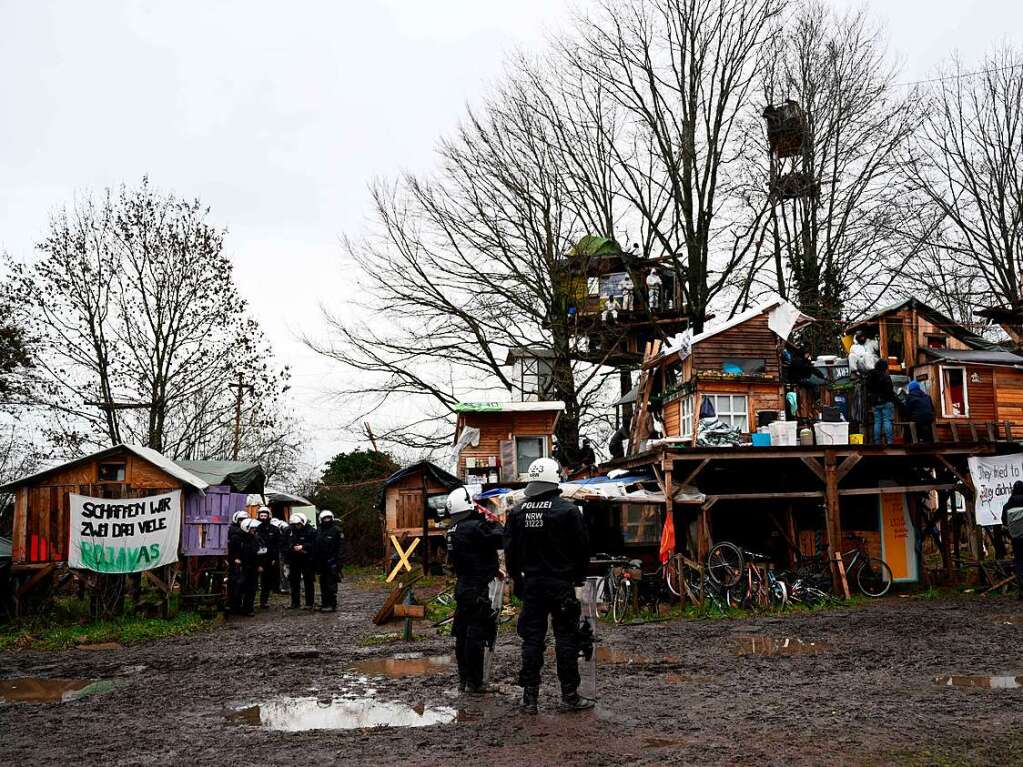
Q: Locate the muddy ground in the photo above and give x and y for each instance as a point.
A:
(854, 686)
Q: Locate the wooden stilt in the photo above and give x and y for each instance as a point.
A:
(833, 523)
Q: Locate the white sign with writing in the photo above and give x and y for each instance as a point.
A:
(124, 535)
(993, 477)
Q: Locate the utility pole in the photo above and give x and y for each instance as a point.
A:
(240, 388)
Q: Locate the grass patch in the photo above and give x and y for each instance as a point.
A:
(391, 637)
(39, 635)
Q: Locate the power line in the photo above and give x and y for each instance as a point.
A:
(958, 76)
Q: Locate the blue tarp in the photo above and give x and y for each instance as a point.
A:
(627, 480)
(493, 493)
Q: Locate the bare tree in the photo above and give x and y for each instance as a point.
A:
(464, 266)
(827, 248)
(140, 328)
(682, 72)
(966, 165)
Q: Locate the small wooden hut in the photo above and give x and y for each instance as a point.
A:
(498, 440)
(409, 502)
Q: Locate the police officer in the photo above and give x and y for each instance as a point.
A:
(242, 552)
(299, 548)
(282, 540)
(473, 542)
(546, 551)
(330, 544)
(233, 574)
(269, 555)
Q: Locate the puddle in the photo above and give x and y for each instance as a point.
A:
(769, 647)
(410, 664)
(981, 682)
(37, 690)
(300, 714)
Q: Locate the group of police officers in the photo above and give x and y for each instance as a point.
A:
(546, 549)
(258, 547)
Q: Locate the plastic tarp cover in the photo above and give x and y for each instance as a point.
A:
(240, 476)
(712, 432)
(470, 436)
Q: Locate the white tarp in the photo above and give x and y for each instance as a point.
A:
(124, 535)
(993, 476)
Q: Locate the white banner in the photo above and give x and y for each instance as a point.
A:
(993, 477)
(124, 535)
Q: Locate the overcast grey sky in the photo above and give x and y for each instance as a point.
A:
(277, 114)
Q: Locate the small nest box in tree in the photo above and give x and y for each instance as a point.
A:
(786, 127)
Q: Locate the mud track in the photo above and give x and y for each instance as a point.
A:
(718, 692)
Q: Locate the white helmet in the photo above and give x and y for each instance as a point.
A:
(543, 475)
(249, 524)
(280, 524)
(459, 502)
(325, 515)
(298, 518)
(240, 515)
(264, 510)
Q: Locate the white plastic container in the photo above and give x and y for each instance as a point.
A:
(831, 433)
(783, 433)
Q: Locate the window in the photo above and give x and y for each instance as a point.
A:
(527, 450)
(936, 342)
(731, 409)
(641, 524)
(111, 472)
(685, 416)
(896, 344)
(955, 398)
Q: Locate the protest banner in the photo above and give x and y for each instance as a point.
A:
(993, 476)
(124, 535)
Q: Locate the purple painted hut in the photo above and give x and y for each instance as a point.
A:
(207, 517)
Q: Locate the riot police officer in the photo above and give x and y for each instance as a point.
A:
(242, 552)
(329, 549)
(233, 572)
(546, 552)
(269, 555)
(299, 548)
(473, 542)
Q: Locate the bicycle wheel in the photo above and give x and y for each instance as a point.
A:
(779, 593)
(621, 601)
(757, 596)
(724, 564)
(874, 577)
(694, 584)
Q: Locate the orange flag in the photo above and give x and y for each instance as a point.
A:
(668, 538)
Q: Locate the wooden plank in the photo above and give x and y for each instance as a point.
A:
(897, 489)
(833, 524)
(814, 466)
(409, 611)
(34, 581)
(848, 465)
(397, 594)
(691, 476)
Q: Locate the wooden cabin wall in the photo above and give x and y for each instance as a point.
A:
(1009, 397)
(404, 502)
(497, 427)
(42, 509)
(915, 329)
(751, 339)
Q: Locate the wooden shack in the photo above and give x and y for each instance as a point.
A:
(735, 367)
(972, 382)
(42, 530)
(498, 440)
(409, 502)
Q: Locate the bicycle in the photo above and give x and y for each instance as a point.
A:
(872, 576)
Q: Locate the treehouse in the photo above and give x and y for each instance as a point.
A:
(496, 441)
(409, 503)
(734, 370)
(615, 301)
(974, 384)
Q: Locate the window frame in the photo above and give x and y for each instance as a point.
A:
(626, 524)
(685, 420)
(731, 413)
(123, 470)
(966, 390)
(521, 470)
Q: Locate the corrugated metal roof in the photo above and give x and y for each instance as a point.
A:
(157, 459)
(509, 407)
(978, 356)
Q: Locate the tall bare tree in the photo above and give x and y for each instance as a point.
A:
(682, 72)
(966, 165)
(139, 328)
(827, 250)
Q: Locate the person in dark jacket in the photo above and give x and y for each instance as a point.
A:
(546, 551)
(299, 552)
(472, 542)
(243, 559)
(881, 393)
(1012, 521)
(330, 542)
(269, 555)
(920, 410)
(233, 578)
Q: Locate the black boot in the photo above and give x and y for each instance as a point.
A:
(461, 684)
(530, 700)
(573, 701)
(476, 688)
